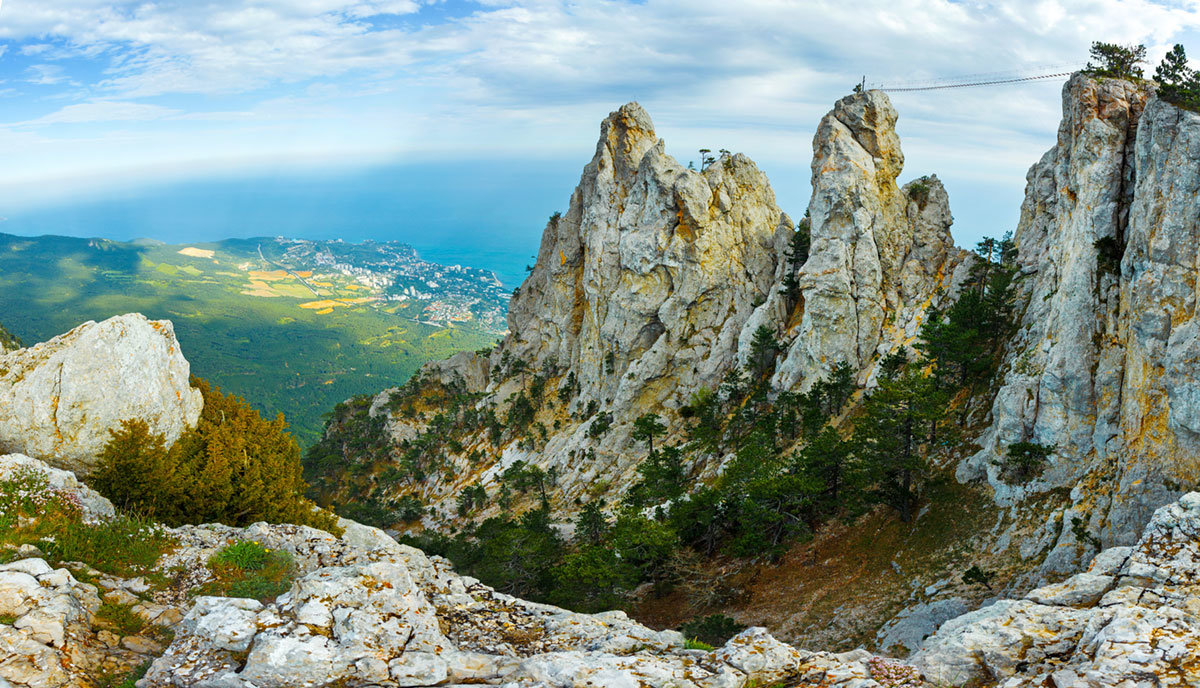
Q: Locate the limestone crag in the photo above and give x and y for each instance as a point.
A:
(880, 255)
(59, 399)
(1104, 365)
(651, 286)
(641, 294)
(653, 267)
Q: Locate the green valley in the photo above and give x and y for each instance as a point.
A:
(293, 326)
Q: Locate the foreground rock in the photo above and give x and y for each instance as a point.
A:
(370, 612)
(48, 637)
(59, 399)
(1132, 619)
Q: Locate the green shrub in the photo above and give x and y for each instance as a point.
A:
(128, 680)
(121, 618)
(713, 630)
(234, 467)
(697, 644)
(977, 576)
(1024, 460)
(32, 512)
(31, 509)
(245, 555)
(918, 191)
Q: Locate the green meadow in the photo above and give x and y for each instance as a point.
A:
(243, 324)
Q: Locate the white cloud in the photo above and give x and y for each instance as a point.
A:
(45, 75)
(533, 77)
(101, 111)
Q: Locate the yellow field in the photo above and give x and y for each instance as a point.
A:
(196, 252)
(269, 275)
(327, 303)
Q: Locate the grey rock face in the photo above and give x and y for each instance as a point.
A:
(59, 399)
(1133, 618)
(651, 285)
(1104, 365)
(879, 253)
(642, 291)
(908, 629)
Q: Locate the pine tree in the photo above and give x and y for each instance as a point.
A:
(826, 462)
(1178, 83)
(646, 428)
(134, 473)
(234, 467)
(764, 347)
(796, 255)
(1117, 61)
(898, 418)
(591, 526)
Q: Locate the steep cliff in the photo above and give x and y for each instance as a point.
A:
(642, 287)
(1103, 366)
(59, 399)
(649, 290)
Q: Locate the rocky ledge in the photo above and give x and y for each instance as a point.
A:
(364, 610)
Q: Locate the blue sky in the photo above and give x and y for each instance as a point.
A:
(104, 99)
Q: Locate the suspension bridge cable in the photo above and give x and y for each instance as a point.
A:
(969, 84)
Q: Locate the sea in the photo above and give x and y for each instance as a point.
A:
(485, 214)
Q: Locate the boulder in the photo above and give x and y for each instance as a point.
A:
(1132, 619)
(60, 399)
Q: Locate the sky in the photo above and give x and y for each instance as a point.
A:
(460, 125)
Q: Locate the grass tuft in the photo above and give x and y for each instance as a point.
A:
(247, 569)
(121, 618)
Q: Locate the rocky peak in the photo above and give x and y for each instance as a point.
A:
(59, 399)
(651, 272)
(878, 251)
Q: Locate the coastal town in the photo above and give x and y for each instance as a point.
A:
(392, 272)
